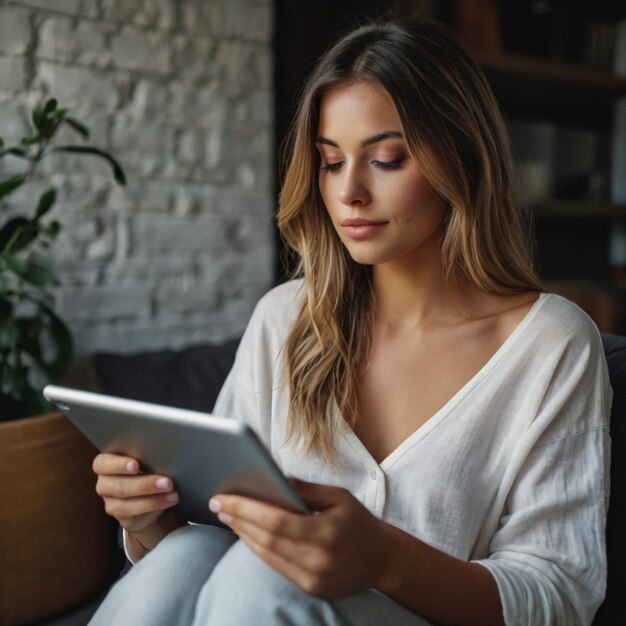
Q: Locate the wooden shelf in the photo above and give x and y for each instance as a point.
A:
(577, 209)
(566, 93)
(604, 9)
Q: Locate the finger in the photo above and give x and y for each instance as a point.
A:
(127, 508)
(305, 555)
(271, 518)
(115, 464)
(133, 486)
(274, 560)
(290, 570)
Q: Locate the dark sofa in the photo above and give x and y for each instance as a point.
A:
(192, 377)
(613, 610)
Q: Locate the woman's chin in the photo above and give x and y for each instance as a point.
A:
(371, 252)
(364, 258)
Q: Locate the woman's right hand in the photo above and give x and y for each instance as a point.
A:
(137, 501)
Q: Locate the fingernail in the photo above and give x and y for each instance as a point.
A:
(215, 505)
(225, 518)
(131, 466)
(163, 483)
(172, 496)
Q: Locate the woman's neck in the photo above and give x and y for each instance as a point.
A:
(408, 296)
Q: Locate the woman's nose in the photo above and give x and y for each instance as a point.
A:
(353, 189)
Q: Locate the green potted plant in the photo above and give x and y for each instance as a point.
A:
(35, 344)
(56, 541)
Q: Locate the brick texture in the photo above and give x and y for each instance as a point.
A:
(181, 94)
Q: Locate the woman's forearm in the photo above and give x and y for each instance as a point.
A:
(440, 588)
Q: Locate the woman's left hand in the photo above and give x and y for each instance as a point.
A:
(339, 550)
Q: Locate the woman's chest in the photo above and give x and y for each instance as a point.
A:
(406, 383)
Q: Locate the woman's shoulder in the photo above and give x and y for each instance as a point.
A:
(558, 320)
(559, 312)
(283, 298)
(284, 295)
(280, 306)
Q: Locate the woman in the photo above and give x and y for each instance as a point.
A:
(449, 418)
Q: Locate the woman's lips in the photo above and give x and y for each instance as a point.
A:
(360, 229)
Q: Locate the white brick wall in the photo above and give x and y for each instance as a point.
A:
(180, 93)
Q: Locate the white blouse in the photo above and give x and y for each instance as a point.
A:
(511, 473)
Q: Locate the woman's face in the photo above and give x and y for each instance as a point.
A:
(381, 205)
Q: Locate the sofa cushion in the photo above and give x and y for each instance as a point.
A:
(190, 378)
(614, 607)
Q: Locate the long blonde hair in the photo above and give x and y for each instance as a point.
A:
(453, 128)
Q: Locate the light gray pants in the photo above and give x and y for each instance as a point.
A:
(203, 576)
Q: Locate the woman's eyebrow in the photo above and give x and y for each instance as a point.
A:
(387, 134)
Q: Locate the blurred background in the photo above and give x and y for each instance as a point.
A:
(194, 99)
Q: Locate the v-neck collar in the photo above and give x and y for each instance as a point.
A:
(431, 423)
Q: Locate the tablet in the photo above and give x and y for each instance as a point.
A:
(203, 454)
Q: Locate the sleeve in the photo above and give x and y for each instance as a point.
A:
(246, 395)
(237, 397)
(548, 555)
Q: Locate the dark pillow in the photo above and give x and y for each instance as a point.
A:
(190, 378)
(613, 609)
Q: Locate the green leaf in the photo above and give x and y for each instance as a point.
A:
(14, 264)
(50, 106)
(8, 230)
(6, 311)
(39, 117)
(30, 341)
(10, 185)
(52, 229)
(46, 201)
(50, 128)
(79, 127)
(44, 329)
(30, 141)
(5, 375)
(18, 152)
(118, 172)
(61, 339)
(9, 335)
(37, 270)
(22, 235)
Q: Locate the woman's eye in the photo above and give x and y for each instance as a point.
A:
(389, 165)
(332, 167)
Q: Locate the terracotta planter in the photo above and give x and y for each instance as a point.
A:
(57, 546)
